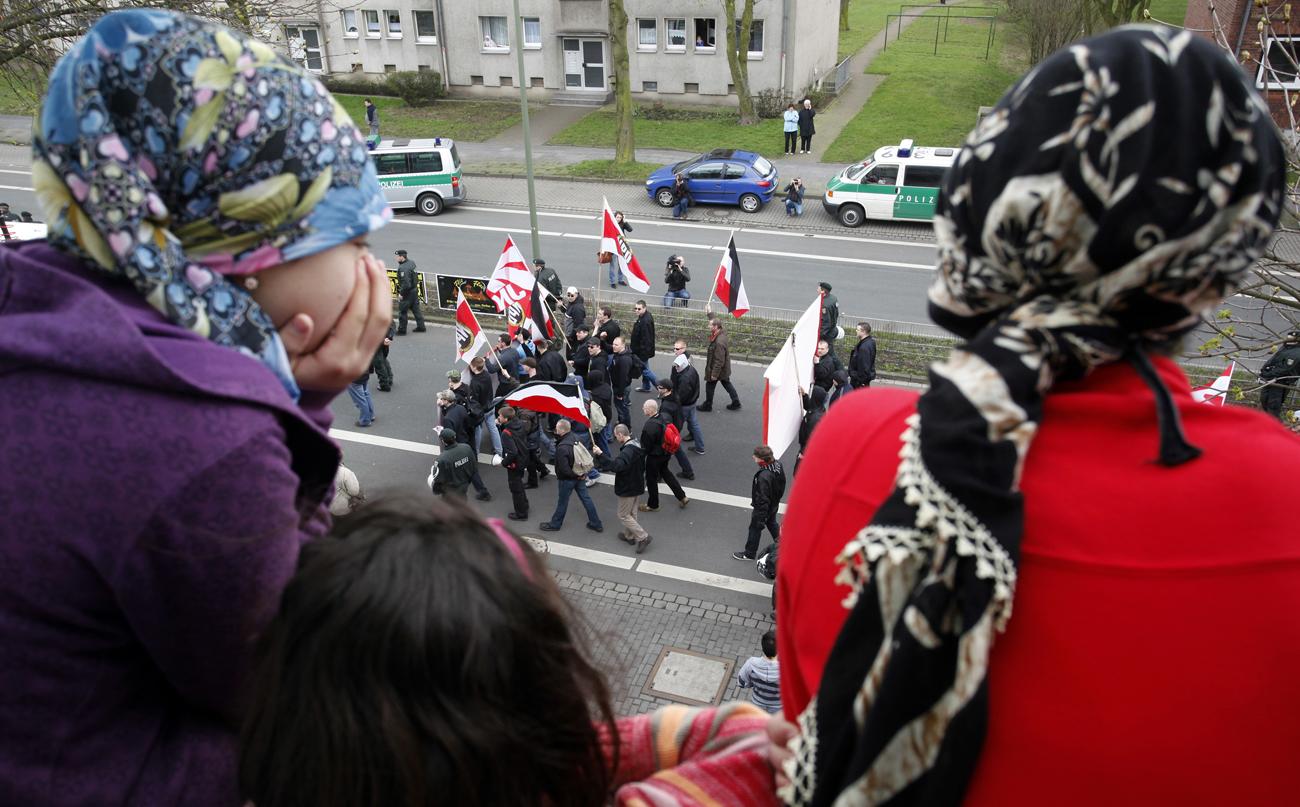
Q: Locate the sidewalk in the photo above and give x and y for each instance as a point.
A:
(633, 625)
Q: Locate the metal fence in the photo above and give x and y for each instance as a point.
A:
(842, 76)
(963, 40)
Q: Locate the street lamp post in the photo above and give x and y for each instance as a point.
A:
(528, 144)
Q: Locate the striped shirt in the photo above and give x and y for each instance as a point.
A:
(763, 674)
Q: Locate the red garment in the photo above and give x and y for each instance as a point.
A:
(1152, 653)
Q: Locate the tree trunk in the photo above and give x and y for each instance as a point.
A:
(624, 140)
(844, 15)
(738, 56)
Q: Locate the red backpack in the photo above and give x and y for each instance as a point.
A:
(672, 439)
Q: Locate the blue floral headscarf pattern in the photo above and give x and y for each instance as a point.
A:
(177, 153)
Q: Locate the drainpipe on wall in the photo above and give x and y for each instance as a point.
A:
(1241, 32)
(785, 39)
(442, 46)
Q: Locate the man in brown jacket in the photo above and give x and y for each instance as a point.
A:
(718, 368)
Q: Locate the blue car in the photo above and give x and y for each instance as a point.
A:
(722, 176)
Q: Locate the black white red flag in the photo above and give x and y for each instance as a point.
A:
(728, 285)
(539, 306)
(551, 397)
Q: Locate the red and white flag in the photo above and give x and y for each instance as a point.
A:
(470, 339)
(539, 323)
(510, 284)
(612, 240)
(1216, 392)
(551, 397)
(728, 285)
(786, 377)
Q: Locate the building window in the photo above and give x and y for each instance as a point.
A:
(424, 68)
(755, 38)
(387, 164)
(647, 35)
(706, 34)
(537, 82)
(477, 81)
(350, 29)
(675, 31)
(495, 36)
(394, 24)
(506, 81)
(424, 30)
(731, 89)
(390, 68)
(1278, 69)
(649, 86)
(372, 23)
(695, 88)
(304, 47)
(532, 33)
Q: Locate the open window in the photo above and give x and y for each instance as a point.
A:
(706, 34)
(1280, 67)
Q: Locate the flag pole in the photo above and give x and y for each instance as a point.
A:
(714, 287)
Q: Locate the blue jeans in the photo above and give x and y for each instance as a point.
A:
(490, 423)
(795, 208)
(648, 377)
(614, 272)
(570, 486)
(671, 297)
(683, 460)
(692, 422)
(679, 209)
(360, 394)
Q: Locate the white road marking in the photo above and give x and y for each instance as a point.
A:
(17, 188)
(694, 494)
(580, 553)
(706, 578)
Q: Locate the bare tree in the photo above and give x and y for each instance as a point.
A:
(625, 137)
(738, 56)
(1111, 13)
(1050, 24)
(844, 15)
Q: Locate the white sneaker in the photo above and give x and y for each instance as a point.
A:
(592, 481)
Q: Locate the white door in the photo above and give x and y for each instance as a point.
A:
(305, 48)
(584, 64)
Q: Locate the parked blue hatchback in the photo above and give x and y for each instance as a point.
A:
(722, 176)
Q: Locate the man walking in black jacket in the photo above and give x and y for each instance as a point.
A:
(671, 412)
(514, 458)
(408, 294)
(550, 364)
(656, 460)
(620, 378)
(643, 343)
(629, 483)
(830, 316)
(862, 361)
(686, 386)
(765, 497)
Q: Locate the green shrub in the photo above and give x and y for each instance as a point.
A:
(356, 85)
(657, 111)
(771, 103)
(416, 87)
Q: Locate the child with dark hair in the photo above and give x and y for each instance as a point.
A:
(423, 654)
(763, 675)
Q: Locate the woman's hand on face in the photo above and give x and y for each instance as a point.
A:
(779, 733)
(350, 347)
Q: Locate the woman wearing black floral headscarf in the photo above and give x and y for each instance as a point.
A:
(1118, 191)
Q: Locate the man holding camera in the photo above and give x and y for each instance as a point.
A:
(676, 276)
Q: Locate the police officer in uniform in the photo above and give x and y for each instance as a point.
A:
(454, 468)
(408, 294)
(549, 278)
(1281, 372)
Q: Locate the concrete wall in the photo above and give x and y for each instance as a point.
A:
(814, 25)
(1229, 14)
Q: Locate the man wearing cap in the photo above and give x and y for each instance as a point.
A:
(549, 278)
(1281, 372)
(575, 310)
(455, 416)
(830, 316)
(452, 471)
(408, 294)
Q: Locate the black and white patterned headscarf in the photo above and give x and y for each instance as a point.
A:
(1117, 191)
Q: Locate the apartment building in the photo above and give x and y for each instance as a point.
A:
(677, 48)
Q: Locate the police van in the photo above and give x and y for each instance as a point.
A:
(424, 174)
(896, 183)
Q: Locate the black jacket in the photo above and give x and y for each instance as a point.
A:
(510, 363)
(480, 387)
(676, 277)
(830, 316)
(456, 418)
(814, 408)
(806, 127)
(406, 280)
(603, 395)
(620, 371)
(564, 456)
(862, 362)
(514, 444)
(576, 312)
(550, 280)
(454, 469)
(611, 331)
(768, 488)
(686, 385)
(671, 410)
(551, 367)
(1283, 366)
(824, 371)
(643, 336)
(681, 191)
(628, 468)
(652, 436)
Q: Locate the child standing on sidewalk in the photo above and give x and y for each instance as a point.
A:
(763, 675)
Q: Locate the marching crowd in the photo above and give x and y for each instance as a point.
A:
(183, 622)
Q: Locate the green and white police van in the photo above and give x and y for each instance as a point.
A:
(424, 174)
(896, 183)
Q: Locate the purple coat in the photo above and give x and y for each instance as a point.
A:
(155, 489)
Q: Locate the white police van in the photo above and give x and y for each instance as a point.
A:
(424, 174)
(896, 183)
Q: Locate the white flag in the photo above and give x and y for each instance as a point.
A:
(790, 372)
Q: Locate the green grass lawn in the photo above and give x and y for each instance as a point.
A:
(19, 95)
(931, 99)
(460, 120)
(866, 19)
(1170, 11)
(695, 131)
(604, 169)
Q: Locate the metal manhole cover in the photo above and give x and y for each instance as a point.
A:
(688, 677)
(719, 214)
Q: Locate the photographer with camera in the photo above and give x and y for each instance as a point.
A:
(676, 275)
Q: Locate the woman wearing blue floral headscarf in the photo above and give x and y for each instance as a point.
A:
(167, 357)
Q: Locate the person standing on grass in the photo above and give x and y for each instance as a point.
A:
(372, 119)
(765, 497)
(763, 675)
(806, 128)
(717, 369)
(791, 123)
(629, 483)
